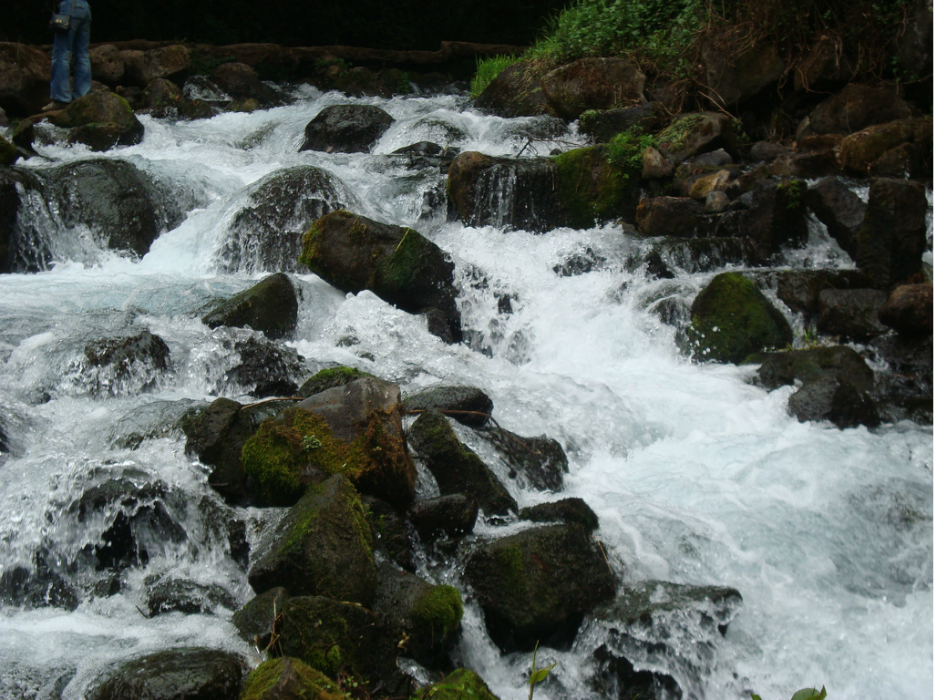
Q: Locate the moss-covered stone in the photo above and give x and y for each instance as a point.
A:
(696, 133)
(322, 547)
(438, 609)
(590, 189)
(100, 120)
(330, 378)
(270, 306)
(731, 319)
(462, 684)
(289, 679)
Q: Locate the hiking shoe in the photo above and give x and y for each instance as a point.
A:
(54, 106)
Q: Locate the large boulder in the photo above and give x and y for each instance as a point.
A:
(516, 92)
(263, 368)
(453, 515)
(696, 133)
(346, 129)
(590, 188)
(289, 679)
(121, 365)
(909, 309)
(856, 107)
(775, 217)
(537, 585)
(835, 400)
(323, 546)
(732, 76)
(107, 64)
(397, 264)
(457, 468)
(465, 404)
(677, 217)
(800, 290)
(193, 672)
(355, 430)
(101, 120)
(534, 462)
(593, 83)
(603, 125)
(142, 67)
(859, 152)
(270, 306)
(893, 236)
(266, 234)
(256, 621)
(731, 319)
(839, 208)
(24, 78)
(242, 83)
(785, 368)
(851, 313)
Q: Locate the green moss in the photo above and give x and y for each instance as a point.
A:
(674, 138)
(314, 685)
(309, 247)
(462, 684)
(590, 188)
(512, 563)
(440, 608)
(330, 378)
(307, 523)
(625, 150)
(402, 268)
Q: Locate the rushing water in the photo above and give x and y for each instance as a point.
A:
(697, 476)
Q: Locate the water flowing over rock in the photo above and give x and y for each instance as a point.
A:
(346, 128)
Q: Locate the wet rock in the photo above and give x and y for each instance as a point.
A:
(731, 319)
(700, 255)
(835, 400)
(839, 208)
(859, 151)
(462, 683)
(107, 64)
(893, 236)
(774, 219)
(101, 120)
(266, 234)
(337, 637)
(696, 133)
(224, 528)
(851, 313)
(216, 435)
(456, 468)
(800, 290)
(398, 264)
(270, 306)
(516, 92)
(467, 405)
(537, 585)
(330, 378)
(425, 616)
(590, 190)
(909, 309)
(142, 67)
(242, 83)
(346, 129)
(904, 391)
(592, 83)
(580, 263)
(567, 510)
(393, 538)
(616, 677)
(535, 462)
(603, 124)
(181, 595)
(784, 368)
(289, 679)
(322, 546)
(256, 621)
(453, 515)
(191, 672)
(677, 217)
(505, 192)
(38, 586)
(856, 107)
(116, 366)
(124, 208)
(265, 369)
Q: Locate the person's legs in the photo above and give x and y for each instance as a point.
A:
(81, 33)
(60, 86)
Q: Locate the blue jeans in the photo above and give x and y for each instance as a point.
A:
(73, 43)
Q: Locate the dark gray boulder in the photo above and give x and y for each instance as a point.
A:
(256, 621)
(784, 368)
(851, 313)
(270, 306)
(567, 510)
(265, 368)
(536, 586)
(171, 594)
(101, 120)
(909, 309)
(453, 515)
(457, 468)
(535, 462)
(465, 404)
(266, 234)
(840, 209)
(193, 672)
(893, 236)
(835, 400)
(346, 129)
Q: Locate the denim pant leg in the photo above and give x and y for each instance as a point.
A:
(75, 42)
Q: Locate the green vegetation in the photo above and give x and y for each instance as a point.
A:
(439, 609)
(625, 150)
(487, 70)
(314, 684)
(537, 675)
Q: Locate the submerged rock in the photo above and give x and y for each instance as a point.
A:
(784, 368)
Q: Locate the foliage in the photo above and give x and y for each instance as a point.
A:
(625, 150)
(487, 69)
(537, 675)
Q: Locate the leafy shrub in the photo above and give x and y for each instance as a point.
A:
(625, 150)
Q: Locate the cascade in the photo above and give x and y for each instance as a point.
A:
(698, 476)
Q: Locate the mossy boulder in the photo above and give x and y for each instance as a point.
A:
(784, 368)
(398, 264)
(537, 585)
(289, 679)
(426, 617)
(859, 151)
(593, 83)
(270, 306)
(731, 319)
(591, 189)
(517, 92)
(101, 120)
(457, 468)
(603, 124)
(322, 547)
(462, 684)
(194, 672)
(696, 133)
(330, 378)
(335, 636)
(346, 129)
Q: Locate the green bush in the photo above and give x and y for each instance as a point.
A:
(487, 70)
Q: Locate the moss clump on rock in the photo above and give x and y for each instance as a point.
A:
(462, 684)
(591, 189)
(439, 609)
(291, 678)
(330, 378)
(731, 319)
